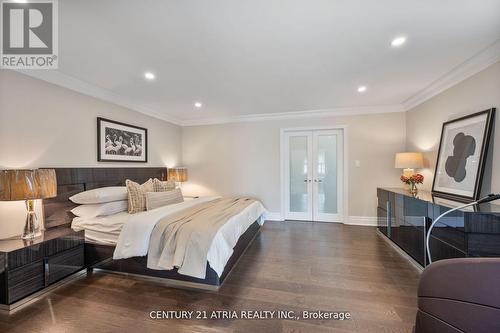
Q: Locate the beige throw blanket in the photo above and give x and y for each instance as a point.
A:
(183, 240)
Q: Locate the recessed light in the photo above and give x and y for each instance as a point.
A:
(149, 76)
(398, 41)
(198, 105)
(361, 89)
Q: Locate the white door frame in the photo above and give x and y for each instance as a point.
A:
(283, 190)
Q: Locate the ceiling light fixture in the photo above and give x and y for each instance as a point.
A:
(398, 41)
(149, 76)
(361, 89)
(198, 105)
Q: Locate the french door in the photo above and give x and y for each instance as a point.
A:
(314, 175)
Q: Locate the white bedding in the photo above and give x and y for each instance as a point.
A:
(134, 231)
(103, 230)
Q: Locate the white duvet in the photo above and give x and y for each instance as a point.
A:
(133, 240)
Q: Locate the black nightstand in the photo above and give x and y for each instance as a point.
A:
(27, 267)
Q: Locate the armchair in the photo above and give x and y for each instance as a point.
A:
(459, 295)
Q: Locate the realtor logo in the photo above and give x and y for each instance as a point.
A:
(29, 37)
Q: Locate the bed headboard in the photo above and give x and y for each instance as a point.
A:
(70, 181)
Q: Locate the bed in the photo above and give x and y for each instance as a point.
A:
(105, 237)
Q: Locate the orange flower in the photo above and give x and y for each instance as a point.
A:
(417, 178)
(414, 179)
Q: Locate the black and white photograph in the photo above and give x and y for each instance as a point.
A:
(119, 142)
(462, 155)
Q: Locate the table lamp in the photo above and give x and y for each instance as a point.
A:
(28, 185)
(178, 175)
(409, 161)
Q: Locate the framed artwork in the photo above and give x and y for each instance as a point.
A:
(119, 142)
(462, 156)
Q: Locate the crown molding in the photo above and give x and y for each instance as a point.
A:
(69, 82)
(471, 66)
(350, 111)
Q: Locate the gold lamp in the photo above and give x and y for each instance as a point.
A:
(409, 161)
(178, 175)
(28, 185)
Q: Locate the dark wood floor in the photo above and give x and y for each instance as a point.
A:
(290, 266)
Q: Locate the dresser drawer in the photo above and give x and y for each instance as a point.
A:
(25, 256)
(65, 263)
(64, 243)
(25, 280)
(442, 250)
(30, 254)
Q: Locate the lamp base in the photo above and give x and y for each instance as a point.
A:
(31, 228)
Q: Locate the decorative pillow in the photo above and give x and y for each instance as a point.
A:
(160, 186)
(137, 195)
(104, 209)
(160, 199)
(100, 195)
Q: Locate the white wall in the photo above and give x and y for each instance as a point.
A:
(44, 125)
(423, 123)
(244, 158)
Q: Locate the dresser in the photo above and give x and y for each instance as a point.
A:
(29, 266)
(404, 219)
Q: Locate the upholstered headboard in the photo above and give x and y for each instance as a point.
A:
(70, 181)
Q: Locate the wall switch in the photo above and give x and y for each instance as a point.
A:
(357, 163)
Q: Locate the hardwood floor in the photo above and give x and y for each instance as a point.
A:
(290, 266)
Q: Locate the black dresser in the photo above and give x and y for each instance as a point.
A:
(30, 266)
(405, 219)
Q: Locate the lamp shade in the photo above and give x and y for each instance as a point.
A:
(409, 160)
(27, 184)
(178, 174)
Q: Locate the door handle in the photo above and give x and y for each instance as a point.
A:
(307, 180)
(318, 180)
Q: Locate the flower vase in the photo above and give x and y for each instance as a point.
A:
(413, 188)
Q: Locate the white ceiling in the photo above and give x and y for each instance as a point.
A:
(244, 57)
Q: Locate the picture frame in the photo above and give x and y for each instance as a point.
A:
(120, 142)
(462, 155)
(453, 204)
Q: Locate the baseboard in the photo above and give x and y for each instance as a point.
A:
(351, 220)
(273, 216)
(362, 220)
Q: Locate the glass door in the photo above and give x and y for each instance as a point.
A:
(327, 175)
(313, 171)
(298, 175)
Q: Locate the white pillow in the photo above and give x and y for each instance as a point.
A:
(104, 209)
(159, 199)
(100, 195)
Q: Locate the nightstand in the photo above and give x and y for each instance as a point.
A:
(27, 267)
